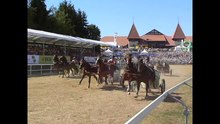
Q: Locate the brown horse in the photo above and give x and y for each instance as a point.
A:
(140, 73)
(112, 69)
(59, 68)
(64, 69)
(105, 70)
(88, 70)
(72, 66)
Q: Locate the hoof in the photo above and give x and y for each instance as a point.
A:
(129, 93)
(136, 96)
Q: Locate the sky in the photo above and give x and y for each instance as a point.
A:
(117, 16)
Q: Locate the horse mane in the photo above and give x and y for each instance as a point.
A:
(87, 64)
(147, 69)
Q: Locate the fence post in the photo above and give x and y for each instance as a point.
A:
(41, 69)
(186, 111)
(145, 111)
(30, 69)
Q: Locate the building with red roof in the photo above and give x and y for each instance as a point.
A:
(152, 39)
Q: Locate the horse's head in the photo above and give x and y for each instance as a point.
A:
(99, 61)
(84, 64)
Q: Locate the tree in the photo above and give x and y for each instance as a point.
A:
(63, 23)
(66, 17)
(93, 32)
(37, 15)
(81, 24)
(64, 20)
(31, 13)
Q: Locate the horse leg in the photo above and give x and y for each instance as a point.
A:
(147, 88)
(97, 81)
(106, 77)
(95, 77)
(100, 78)
(72, 71)
(59, 70)
(129, 87)
(82, 79)
(68, 72)
(148, 85)
(111, 77)
(63, 73)
(89, 81)
(138, 88)
(122, 81)
(76, 70)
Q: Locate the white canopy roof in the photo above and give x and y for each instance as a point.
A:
(59, 39)
(108, 51)
(144, 52)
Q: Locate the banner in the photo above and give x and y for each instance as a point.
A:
(46, 59)
(42, 59)
(33, 59)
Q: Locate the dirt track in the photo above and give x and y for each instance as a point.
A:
(55, 100)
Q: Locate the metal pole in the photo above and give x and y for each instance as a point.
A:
(186, 111)
(65, 48)
(30, 69)
(187, 85)
(43, 48)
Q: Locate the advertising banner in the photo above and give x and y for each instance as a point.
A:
(33, 59)
(46, 59)
(42, 59)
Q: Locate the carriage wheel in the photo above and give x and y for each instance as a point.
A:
(170, 72)
(163, 86)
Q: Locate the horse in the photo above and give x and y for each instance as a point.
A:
(166, 67)
(58, 66)
(163, 67)
(72, 66)
(88, 70)
(139, 73)
(105, 70)
(67, 67)
(159, 66)
(112, 68)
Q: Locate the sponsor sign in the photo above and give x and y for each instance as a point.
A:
(33, 59)
(46, 59)
(42, 59)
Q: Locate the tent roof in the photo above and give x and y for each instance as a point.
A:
(108, 51)
(144, 51)
(59, 39)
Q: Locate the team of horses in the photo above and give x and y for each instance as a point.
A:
(65, 68)
(101, 70)
(139, 72)
(164, 67)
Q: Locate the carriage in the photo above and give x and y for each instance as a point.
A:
(164, 68)
(157, 84)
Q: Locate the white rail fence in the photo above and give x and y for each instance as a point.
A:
(40, 69)
(136, 119)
